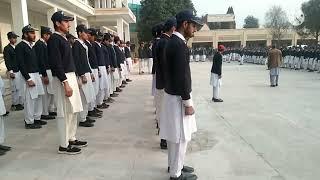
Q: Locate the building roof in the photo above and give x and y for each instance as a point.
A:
(220, 18)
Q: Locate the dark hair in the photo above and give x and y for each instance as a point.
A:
(179, 24)
(273, 46)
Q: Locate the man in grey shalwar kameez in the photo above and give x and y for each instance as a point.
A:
(274, 63)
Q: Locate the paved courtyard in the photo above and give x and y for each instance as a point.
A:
(258, 133)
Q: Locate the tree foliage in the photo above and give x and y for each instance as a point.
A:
(277, 22)
(309, 21)
(251, 22)
(156, 11)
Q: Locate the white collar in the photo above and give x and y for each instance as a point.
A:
(180, 36)
(43, 41)
(12, 46)
(98, 43)
(166, 34)
(30, 44)
(63, 35)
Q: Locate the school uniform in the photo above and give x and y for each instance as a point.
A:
(48, 97)
(95, 71)
(83, 69)
(30, 69)
(216, 72)
(103, 80)
(63, 69)
(129, 61)
(120, 59)
(17, 84)
(2, 112)
(175, 126)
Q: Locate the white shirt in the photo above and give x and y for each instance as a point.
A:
(180, 36)
(43, 41)
(30, 44)
(63, 35)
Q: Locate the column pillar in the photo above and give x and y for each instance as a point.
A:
(50, 12)
(118, 4)
(126, 33)
(108, 3)
(97, 4)
(104, 4)
(19, 11)
(120, 28)
(73, 25)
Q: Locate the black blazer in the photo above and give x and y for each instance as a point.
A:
(60, 56)
(127, 52)
(92, 56)
(10, 58)
(27, 60)
(112, 56)
(160, 58)
(177, 69)
(80, 59)
(42, 55)
(217, 64)
(120, 56)
(106, 55)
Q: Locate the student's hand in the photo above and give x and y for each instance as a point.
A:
(12, 75)
(112, 69)
(220, 76)
(31, 83)
(99, 74)
(189, 111)
(45, 80)
(120, 69)
(93, 78)
(67, 89)
(84, 79)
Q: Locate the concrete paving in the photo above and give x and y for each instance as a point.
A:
(258, 133)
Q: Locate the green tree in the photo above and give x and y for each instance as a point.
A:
(277, 22)
(156, 11)
(309, 20)
(251, 22)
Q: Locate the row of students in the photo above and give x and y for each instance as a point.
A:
(70, 80)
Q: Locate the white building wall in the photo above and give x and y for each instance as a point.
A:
(5, 23)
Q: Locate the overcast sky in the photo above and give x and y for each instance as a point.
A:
(243, 8)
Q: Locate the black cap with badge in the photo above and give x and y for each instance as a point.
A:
(82, 28)
(11, 35)
(45, 30)
(188, 15)
(92, 32)
(59, 16)
(28, 28)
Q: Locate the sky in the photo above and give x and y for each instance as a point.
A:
(243, 8)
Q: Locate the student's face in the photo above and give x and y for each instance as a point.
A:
(83, 35)
(63, 26)
(46, 37)
(189, 29)
(30, 36)
(13, 40)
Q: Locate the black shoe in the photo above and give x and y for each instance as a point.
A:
(94, 115)
(103, 106)
(86, 124)
(185, 177)
(276, 84)
(217, 100)
(114, 95)
(90, 120)
(7, 113)
(17, 107)
(163, 144)
(110, 100)
(185, 169)
(32, 126)
(273, 86)
(122, 86)
(2, 152)
(53, 113)
(128, 80)
(40, 122)
(47, 117)
(5, 148)
(96, 110)
(124, 82)
(78, 143)
(69, 150)
(118, 90)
